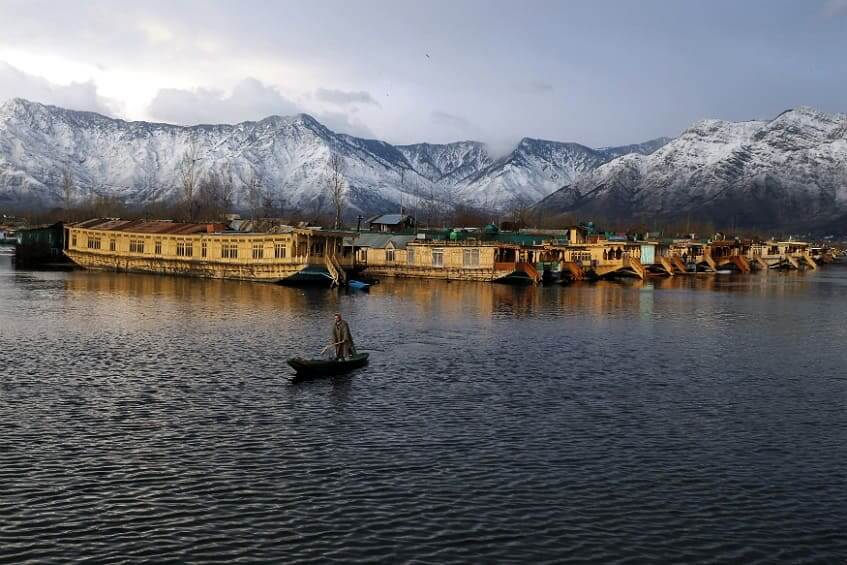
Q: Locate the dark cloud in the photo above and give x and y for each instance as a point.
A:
(835, 7)
(250, 100)
(15, 83)
(343, 98)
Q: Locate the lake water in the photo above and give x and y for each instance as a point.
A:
(697, 419)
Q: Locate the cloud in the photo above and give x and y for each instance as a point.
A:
(15, 83)
(340, 122)
(440, 118)
(156, 32)
(343, 98)
(835, 7)
(250, 100)
(540, 86)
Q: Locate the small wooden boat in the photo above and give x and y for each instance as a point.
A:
(358, 284)
(321, 367)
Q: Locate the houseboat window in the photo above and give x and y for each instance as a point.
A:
(229, 250)
(410, 255)
(94, 243)
(389, 255)
(73, 240)
(158, 247)
(470, 257)
(113, 245)
(279, 250)
(136, 246)
(258, 251)
(185, 248)
(437, 257)
(204, 249)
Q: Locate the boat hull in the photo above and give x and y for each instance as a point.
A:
(324, 367)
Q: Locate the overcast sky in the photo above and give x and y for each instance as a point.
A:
(599, 72)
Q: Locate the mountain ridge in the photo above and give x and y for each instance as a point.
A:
(136, 161)
(790, 171)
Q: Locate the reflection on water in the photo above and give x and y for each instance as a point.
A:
(686, 419)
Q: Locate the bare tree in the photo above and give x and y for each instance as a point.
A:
(254, 191)
(67, 188)
(270, 210)
(336, 187)
(187, 170)
(519, 211)
(214, 195)
(429, 207)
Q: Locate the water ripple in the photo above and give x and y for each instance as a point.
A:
(153, 419)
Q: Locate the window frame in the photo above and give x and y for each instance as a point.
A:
(280, 250)
(438, 252)
(470, 257)
(229, 250)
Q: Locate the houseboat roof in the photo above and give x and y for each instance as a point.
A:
(148, 226)
(167, 227)
(378, 240)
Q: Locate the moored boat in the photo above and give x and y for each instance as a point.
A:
(358, 284)
(284, 254)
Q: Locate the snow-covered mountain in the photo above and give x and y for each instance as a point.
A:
(538, 167)
(450, 163)
(789, 171)
(138, 161)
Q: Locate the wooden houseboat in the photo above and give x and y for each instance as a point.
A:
(782, 255)
(285, 254)
(729, 254)
(453, 260)
(40, 245)
(600, 258)
(823, 254)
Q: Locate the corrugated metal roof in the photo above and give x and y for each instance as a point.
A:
(148, 226)
(389, 219)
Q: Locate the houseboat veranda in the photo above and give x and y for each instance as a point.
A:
(284, 254)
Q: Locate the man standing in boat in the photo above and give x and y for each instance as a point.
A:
(342, 339)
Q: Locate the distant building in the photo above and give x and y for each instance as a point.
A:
(391, 223)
